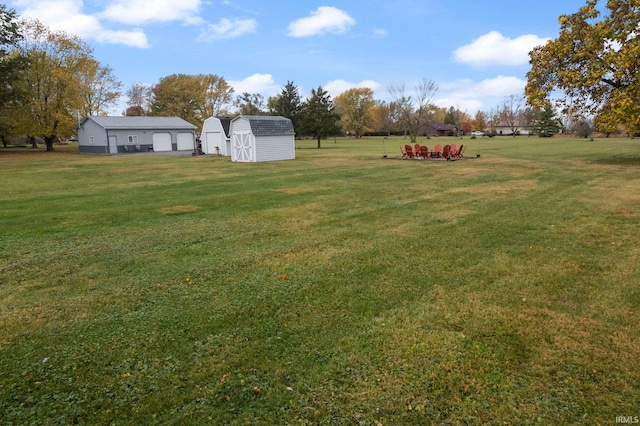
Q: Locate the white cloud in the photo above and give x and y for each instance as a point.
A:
(499, 86)
(336, 87)
(470, 106)
(133, 38)
(256, 83)
(226, 28)
(495, 49)
(325, 19)
(474, 96)
(67, 16)
(139, 12)
(380, 32)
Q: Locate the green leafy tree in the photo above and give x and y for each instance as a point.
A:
(593, 62)
(250, 104)
(99, 88)
(319, 118)
(175, 96)
(384, 117)
(50, 83)
(193, 98)
(10, 65)
(139, 98)
(451, 116)
(547, 124)
(355, 107)
(287, 104)
(480, 121)
(606, 121)
(216, 96)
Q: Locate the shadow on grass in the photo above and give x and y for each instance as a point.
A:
(619, 161)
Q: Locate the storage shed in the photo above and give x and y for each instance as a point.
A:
(112, 135)
(262, 138)
(215, 136)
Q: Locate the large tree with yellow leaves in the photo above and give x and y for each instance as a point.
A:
(593, 67)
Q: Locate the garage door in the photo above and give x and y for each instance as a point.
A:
(162, 142)
(211, 142)
(185, 141)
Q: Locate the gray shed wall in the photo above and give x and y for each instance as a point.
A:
(101, 136)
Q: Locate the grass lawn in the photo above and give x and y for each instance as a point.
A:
(339, 288)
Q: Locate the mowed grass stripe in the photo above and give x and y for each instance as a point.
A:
(346, 287)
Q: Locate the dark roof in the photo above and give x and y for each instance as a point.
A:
(226, 124)
(441, 126)
(124, 122)
(269, 125)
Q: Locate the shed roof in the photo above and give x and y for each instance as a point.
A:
(124, 122)
(441, 126)
(226, 123)
(269, 125)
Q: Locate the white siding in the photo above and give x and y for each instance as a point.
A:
(247, 146)
(185, 142)
(213, 136)
(240, 125)
(273, 148)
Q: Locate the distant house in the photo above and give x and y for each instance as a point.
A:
(503, 128)
(432, 128)
(262, 138)
(215, 136)
(113, 135)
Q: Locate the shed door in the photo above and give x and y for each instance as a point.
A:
(162, 142)
(242, 147)
(113, 145)
(185, 141)
(212, 141)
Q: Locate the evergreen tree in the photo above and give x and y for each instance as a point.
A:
(547, 125)
(287, 104)
(319, 118)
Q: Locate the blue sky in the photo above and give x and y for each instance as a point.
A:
(475, 51)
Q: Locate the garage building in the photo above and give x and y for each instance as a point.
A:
(113, 135)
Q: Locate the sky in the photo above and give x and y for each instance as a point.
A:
(476, 51)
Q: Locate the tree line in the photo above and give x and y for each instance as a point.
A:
(585, 80)
(48, 80)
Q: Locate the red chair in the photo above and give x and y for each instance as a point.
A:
(452, 150)
(424, 151)
(437, 151)
(409, 152)
(416, 148)
(404, 153)
(446, 151)
(458, 153)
